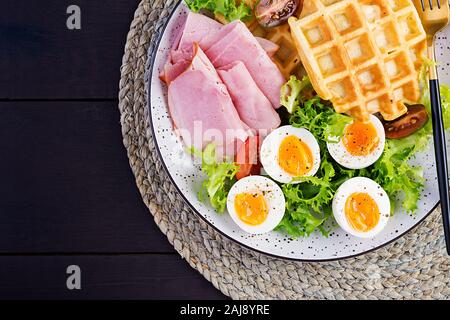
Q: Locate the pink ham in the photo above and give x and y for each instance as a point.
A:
(270, 47)
(238, 44)
(205, 31)
(252, 105)
(167, 72)
(172, 70)
(201, 107)
(196, 29)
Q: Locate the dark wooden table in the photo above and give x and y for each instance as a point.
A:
(67, 193)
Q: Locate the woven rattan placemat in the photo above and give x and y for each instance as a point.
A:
(413, 267)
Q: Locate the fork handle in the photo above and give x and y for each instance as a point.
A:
(441, 157)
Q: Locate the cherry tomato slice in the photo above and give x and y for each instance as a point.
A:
(247, 158)
(413, 120)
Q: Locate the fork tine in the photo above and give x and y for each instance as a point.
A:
(423, 5)
(430, 2)
(438, 4)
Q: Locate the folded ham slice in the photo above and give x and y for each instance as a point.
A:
(201, 107)
(270, 47)
(235, 42)
(196, 28)
(207, 32)
(252, 105)
(172, 70)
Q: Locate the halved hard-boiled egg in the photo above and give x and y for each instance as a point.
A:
(256, 204)
(288, 153)
(361, 144)
(361, 207)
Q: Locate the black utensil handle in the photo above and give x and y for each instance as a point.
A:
(441, 157)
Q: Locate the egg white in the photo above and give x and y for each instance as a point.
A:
(271, 145)
(349, 161)
(370, 187)
(272, 194)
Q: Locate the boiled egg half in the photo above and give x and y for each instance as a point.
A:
(256, 204)
(361, 144)
(288, 153)
(361, 207)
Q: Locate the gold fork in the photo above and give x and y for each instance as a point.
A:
(435, 16)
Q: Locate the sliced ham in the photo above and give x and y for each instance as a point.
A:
(252, 105)
(201, 107)
(196, 28)
(238, 44)
(270, 47)
(172, 70)
(206, 107)
(205, 31)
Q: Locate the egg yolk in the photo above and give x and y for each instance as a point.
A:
(295, 156)
(362, 212)
(360, 138)
(251, 208)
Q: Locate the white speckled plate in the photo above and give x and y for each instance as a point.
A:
(187, 176)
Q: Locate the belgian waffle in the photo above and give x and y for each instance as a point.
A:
(363, 55)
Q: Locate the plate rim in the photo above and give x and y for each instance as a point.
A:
(151, 56)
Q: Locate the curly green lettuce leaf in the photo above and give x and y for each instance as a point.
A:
(394, 173)
(335, 127)
(319, 117)
(220, 178)
(393, 170)
(425, 95)
(445, 101)
(228, 8)
(290, 96)
(308, 204)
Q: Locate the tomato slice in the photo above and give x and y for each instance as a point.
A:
(413, 120)
(247, 158)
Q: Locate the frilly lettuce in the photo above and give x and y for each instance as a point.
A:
(308, 204)
(392, 171)
(220, 177)
(290, 97)
(228, 8)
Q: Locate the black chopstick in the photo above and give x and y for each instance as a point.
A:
(441, 157)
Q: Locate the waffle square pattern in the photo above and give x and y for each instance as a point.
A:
(363, 55)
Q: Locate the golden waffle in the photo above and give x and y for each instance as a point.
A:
(286, 58)
(363, 55)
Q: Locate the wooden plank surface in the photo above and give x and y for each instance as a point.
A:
(156, 276)
(66, 182)
(41, 59)
(68, 195)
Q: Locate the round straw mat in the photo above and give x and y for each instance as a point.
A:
(413, 267)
